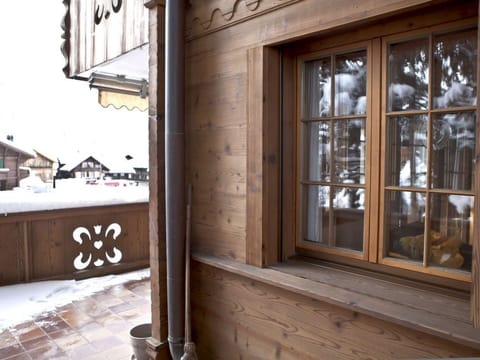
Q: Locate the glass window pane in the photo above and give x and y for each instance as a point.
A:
(451, 231)
(404, 224)
(316, 200)
(351, 83)
(349, 205)
(406, 151)
(349, 151)
(408, 65)
(317, 88)
(316, 147)
(455, 69)
(453, 143)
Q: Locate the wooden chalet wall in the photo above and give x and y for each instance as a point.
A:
(234, 316)
(237, 318)
(41, 166)
(12, 160)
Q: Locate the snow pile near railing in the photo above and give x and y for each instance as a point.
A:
(71, 193)
(23, 302)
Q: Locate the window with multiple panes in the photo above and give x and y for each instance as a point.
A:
(386, 136)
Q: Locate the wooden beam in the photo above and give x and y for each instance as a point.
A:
(475, 290)
(157, 344)
(263, 156)
(26, 251)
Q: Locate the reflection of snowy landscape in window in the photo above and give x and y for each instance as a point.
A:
(453, 64)
(72, 193)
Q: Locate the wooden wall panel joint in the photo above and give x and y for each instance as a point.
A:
(27, 256)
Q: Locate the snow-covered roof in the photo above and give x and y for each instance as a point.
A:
(137, 161)
(115, 163)
(45, 155)
(17, 147)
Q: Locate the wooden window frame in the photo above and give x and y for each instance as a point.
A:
(373, 246)
(263, 156)
(299, 242)
(423, 267)
(271, 232)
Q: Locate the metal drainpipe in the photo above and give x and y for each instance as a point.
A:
(174, 173)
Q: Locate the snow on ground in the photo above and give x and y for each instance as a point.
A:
(70, 193)
(23, 302)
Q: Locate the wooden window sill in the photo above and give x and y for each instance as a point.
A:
(423, 310)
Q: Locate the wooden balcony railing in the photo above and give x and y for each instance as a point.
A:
(73, 243)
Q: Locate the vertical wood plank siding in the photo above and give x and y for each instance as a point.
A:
(238, 318)
(229, 129)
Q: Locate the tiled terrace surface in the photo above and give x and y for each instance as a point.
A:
(96, 327)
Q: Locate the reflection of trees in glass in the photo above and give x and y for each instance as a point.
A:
(350, 84)
(453, 150)
(455, 67)
(454, 72)
(349, 150)
(446, 154)
(408, 75)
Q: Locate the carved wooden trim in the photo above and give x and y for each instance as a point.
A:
(207, 16)
(65, 46)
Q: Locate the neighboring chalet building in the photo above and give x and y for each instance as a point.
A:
(100, 167)
(43, 166)
(12, 161)
(140, 166)
(331, 147)
(87, 168)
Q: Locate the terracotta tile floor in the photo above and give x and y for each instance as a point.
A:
(96, 327)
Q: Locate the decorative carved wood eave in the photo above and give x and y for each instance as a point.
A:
(97, 33)
(207, 16)
(65, 46)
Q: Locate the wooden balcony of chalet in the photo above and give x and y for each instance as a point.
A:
(77, 243)
(73, 243)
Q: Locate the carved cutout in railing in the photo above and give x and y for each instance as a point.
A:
(99, 247)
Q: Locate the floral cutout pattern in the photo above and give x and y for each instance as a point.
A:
(100, 249)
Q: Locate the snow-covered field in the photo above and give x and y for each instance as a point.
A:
(23, 302)
(70, 193)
